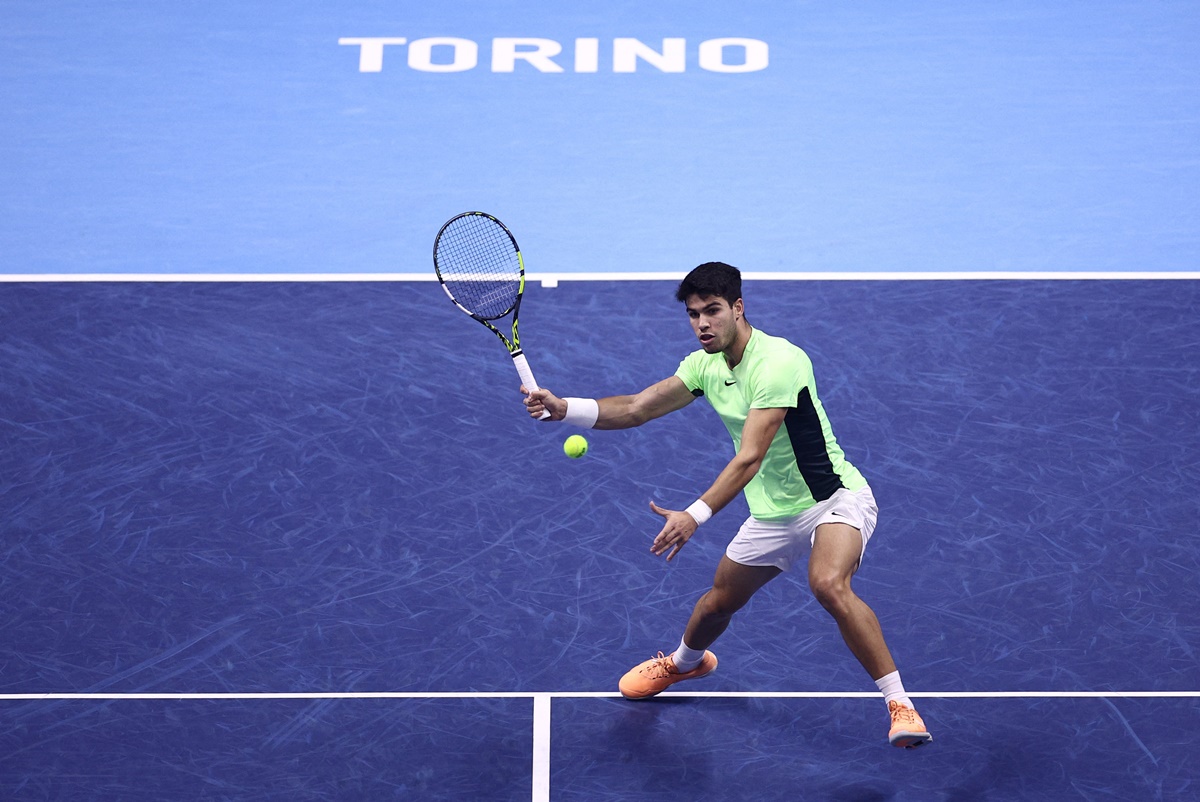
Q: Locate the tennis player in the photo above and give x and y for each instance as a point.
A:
(802, 493)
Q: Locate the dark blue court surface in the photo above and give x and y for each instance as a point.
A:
(269, 749)
(985, 749)
(230, 488)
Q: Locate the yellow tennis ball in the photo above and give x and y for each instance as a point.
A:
(576, 446)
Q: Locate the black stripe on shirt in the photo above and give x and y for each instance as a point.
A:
(808, 443)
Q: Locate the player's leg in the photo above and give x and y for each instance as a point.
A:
(837, 550)
(733, 585)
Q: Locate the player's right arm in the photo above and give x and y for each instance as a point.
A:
(619, 411)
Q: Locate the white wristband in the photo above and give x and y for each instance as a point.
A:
(583, 412)
(700, 511)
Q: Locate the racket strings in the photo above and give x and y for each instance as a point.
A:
(478, 262)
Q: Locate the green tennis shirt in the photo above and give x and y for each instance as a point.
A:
(804, 463)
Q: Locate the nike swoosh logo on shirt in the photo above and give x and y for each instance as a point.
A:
(729, 383)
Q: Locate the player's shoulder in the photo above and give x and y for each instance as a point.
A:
(701, 358)
(775, 342)
(699, 368)
(770, 350)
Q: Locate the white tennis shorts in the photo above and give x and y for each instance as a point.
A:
(785, 543)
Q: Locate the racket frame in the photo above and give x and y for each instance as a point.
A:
(513, 345)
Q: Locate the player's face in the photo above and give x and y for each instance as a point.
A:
(714, 321)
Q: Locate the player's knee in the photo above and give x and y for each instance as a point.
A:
(832, 590)
(718, 603)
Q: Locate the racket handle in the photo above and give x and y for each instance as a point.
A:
(527, 377)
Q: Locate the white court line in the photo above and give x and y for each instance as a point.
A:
(542, 704)
(554, 279)
(541, 747)
(35, 697)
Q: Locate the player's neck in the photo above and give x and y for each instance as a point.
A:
(734, 353)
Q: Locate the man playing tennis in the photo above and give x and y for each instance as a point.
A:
(801, 490)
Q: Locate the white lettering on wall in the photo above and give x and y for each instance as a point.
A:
(712, 55)
(370, 56)
(505, 53)
(587, 55)
(626, 53)
(451, 54)
(465, 54)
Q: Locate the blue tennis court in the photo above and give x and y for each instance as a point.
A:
(274, 523)
(223, 494)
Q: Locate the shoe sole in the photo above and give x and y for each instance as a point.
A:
(656, 693)
(910, 740)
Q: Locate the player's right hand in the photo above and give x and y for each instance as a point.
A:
(543, 399)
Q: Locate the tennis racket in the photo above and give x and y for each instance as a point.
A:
(479, 265)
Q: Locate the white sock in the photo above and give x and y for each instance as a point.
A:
(893, 689)
(686, 658)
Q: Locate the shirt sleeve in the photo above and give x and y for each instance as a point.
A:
(690, 374)
(779, 385)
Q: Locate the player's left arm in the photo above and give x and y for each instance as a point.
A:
(759, 430)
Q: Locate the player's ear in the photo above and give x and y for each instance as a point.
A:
(739, 308)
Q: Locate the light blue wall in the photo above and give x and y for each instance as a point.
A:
(202, 137)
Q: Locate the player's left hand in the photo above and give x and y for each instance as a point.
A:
(678, 529)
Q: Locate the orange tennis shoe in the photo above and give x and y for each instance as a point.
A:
(908, 730)
(659, 673)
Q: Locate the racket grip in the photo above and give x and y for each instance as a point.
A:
(527, 377)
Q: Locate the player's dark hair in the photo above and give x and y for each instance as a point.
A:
(711, 279)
